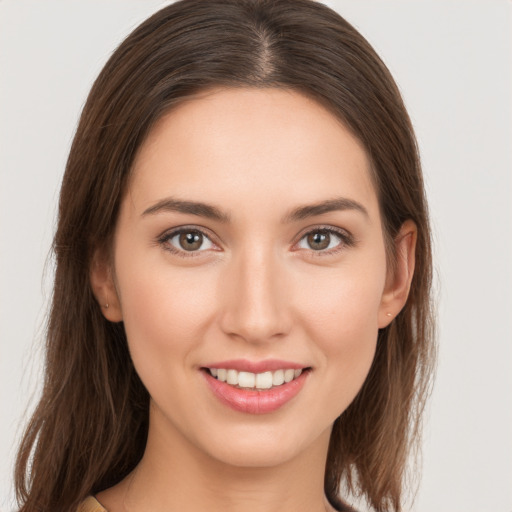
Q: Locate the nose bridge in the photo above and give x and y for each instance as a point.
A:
(255, 306)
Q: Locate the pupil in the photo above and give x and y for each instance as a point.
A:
(191, 241)
(319, 240)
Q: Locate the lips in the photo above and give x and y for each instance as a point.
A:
(255, 387)
(244, 365)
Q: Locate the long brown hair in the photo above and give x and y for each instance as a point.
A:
(89, 429)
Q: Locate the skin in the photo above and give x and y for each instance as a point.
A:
(255, 289)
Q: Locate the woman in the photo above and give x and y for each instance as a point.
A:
(241, 313)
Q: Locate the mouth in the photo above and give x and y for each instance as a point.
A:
(256, 392)
(255, 381)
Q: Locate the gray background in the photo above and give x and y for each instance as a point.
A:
(452, 60)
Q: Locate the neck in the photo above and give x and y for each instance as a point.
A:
(175, 475)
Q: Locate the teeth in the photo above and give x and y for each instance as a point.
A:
(288, 375)
(232, 377)
(263, 380)
(245, 379)
(278, 378)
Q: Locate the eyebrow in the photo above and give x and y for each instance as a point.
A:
(331, 205)
(212, 212)
(192, 207)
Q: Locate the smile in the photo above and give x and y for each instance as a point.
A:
(249, 380)
(268, 387)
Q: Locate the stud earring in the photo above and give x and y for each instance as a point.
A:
(387, 314)
(106, 306)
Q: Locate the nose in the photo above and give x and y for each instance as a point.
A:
(255, 304)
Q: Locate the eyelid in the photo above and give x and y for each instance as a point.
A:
(347, 239)
(167, 235)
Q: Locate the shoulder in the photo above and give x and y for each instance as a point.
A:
(90, 504)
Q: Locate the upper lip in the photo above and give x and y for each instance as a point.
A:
(267, 365)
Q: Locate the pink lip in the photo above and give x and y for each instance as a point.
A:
(244, 365)
(255, 402)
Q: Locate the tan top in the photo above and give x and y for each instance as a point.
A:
(90, 504)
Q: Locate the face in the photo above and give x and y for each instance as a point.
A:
(249, 245)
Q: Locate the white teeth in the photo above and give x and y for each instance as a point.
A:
(263, 380)
(246, 379)
(232, 377)
(288, 375)
(278, 378)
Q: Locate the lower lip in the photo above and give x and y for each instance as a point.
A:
(255, 402)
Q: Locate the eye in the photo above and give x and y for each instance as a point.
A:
(186, 240)
(324, 240)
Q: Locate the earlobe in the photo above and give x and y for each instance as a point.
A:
(399, 279)
(103, 287)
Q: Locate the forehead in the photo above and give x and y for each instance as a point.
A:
(238, 144)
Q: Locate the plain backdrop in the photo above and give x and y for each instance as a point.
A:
(452, 61)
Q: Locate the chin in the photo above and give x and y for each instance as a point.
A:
(264, 446)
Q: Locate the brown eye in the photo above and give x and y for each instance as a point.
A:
(191, 241)
(325, 241)
(319, 240)
(188, 240)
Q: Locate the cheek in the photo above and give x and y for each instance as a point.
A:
(344, 305)
(343, 321)
(165, 310)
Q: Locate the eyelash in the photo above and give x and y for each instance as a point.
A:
(164, 241)
(346, 240)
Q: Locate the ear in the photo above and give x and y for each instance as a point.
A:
(103, 286)
(398, 282)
